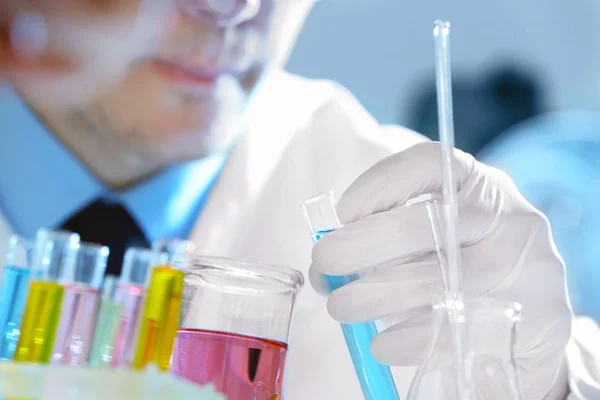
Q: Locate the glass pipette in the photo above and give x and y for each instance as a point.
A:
(375, 379)
(451, 271)
(441, 33)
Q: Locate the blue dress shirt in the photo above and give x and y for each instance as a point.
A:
(42, 183)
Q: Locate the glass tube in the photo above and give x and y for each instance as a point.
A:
(375, 379)
(13, 293)
(53, 256)
(107, 326)
(82, 283)
(130, 296)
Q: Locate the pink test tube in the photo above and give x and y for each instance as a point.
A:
(130, 295)
(82, 281)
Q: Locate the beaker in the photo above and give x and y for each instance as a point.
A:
(488, 326)
(235, 321)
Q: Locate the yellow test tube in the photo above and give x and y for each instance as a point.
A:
(53, 255)
(160, 320)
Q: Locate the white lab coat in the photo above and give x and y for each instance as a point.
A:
(305, 138)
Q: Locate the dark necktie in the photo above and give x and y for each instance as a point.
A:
(110, 225)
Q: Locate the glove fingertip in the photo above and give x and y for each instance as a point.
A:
(318, 282)
(384, 353)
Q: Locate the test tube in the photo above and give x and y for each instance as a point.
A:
(81, 282)
(131, 293)
(13, 292)
(375, 379)
(171, 248)
(52, 256)
(160, 319)
(107, 325)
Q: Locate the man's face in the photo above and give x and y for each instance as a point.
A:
(184, 98)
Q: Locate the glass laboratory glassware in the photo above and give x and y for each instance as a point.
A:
(53, 255)
(82, 283)
(13, 292)
(130, 296)
(107, 326)
(160, 318)
(488, 326)
(375, 379)
(235, 320)
(168, 248)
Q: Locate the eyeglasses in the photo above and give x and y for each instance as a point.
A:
(223, 12)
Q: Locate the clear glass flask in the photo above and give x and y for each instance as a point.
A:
(235, 320)
(488, 332)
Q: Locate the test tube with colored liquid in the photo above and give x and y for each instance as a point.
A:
(52, 255)
(375, 379)
(107, 326)
(160, 319)
(130, 296)
(82, 282)
(13, 292)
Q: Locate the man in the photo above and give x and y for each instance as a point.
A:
(176, 139)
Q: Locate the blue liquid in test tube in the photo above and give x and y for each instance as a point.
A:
(15, 284)
(13, 293)
(375, 379)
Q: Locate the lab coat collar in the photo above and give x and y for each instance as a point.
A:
(42, 183)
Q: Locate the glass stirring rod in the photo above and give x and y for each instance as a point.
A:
(452, 268)
(375, 379)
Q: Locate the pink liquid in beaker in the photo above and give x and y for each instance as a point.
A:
(241, 367)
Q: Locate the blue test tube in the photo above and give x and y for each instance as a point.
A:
(375, 379)
(13, 292)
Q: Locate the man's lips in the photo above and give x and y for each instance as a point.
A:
(182, 74)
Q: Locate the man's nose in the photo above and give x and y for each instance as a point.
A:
(221, 12)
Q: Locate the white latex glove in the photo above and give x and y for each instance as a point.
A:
(507, 253)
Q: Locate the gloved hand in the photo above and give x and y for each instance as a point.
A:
(507, 253)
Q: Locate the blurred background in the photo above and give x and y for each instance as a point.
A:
(526, 96)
